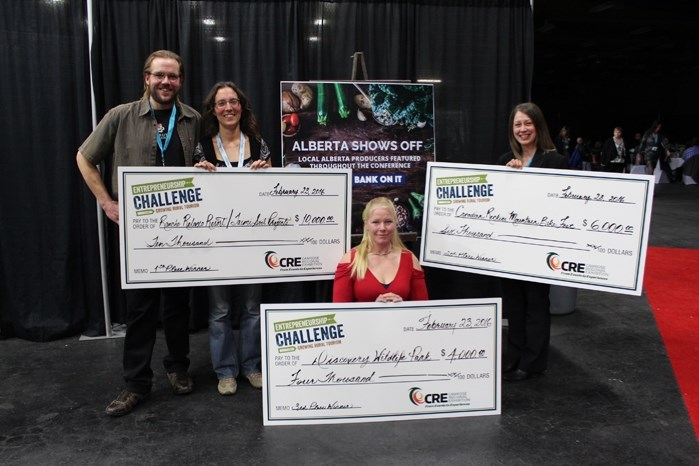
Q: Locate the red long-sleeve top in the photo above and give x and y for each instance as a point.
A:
(409, 283)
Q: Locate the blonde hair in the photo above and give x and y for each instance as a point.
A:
(360, 263)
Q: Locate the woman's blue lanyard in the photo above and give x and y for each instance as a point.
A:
(170, 128)
(241, 151)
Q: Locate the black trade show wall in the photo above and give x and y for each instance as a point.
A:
(481, 51)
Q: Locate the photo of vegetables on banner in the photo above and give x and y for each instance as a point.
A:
(384, 132)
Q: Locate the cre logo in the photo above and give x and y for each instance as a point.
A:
(271, 259)
(555, 264)
(274, 262)
(417, 398)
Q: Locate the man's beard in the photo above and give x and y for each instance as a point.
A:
(155, 95)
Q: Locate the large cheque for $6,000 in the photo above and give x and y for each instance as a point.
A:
(565, 227)
(190, 227)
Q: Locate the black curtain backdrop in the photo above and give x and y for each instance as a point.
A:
(49, 265)
(481, 50)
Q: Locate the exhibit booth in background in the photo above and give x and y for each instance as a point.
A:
(477, 53)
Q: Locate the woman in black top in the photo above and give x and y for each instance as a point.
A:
(614, 154)
(562, 142)
(226, 122)
(527, 303)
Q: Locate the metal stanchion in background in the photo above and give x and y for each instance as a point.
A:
(117, 331)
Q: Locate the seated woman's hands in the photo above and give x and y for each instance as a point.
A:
(389, 298)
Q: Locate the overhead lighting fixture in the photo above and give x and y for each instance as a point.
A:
(313, 39)
(319, 22)
(429, 80)
(219, 39)
(209, 21)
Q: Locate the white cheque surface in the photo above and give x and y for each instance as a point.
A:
(565, 227)
(190, 227)
(367, 362)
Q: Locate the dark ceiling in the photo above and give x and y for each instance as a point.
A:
(600, 64)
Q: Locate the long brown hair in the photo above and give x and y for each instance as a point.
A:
(543, 137)
(209, 123)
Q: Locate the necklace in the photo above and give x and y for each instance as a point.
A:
(382, 253)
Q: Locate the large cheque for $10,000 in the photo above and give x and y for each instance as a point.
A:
(190, 227)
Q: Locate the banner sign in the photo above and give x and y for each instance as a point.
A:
(383, 132)
(369, 362)
(563, 227)
(190, 227)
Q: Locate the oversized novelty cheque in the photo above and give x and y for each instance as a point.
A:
(190, 227)
(366, 362)
(564, 227)
(384, 132)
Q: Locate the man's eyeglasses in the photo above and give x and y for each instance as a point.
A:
(160, 76)
(231, 102)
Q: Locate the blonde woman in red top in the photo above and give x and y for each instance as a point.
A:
(380, 268)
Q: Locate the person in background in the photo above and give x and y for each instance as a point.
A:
(671, 151)
(380, 268)
(580, 156)
(651, 147)
(562, 142)
(527, 303)
(231, 138)
(614, 154)
(586, 154)
(157, 130)
(634, 154)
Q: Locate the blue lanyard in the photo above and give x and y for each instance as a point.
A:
(170, 128)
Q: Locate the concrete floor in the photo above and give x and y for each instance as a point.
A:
(609, 397)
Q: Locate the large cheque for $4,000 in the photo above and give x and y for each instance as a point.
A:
(190, 227)
(369, 362)
(564, 227)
